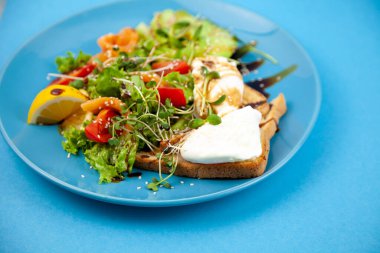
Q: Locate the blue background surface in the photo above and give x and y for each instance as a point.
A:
(325, 199)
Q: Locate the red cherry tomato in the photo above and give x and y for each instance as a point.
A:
(104, 119)
(79, 72)
(83, 71)
(98, 129)
(175, 95)
(177, 66)
(92, 133)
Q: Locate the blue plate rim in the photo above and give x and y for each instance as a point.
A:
(174, 202)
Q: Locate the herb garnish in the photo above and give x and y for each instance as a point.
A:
(208, 77)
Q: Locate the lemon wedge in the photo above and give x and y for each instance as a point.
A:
(55, 103)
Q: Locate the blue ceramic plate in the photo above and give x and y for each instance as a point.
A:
(40, 146)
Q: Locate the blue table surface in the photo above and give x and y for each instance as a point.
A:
(325, 199)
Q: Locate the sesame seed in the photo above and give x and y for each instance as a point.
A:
(138, 187)
(98, 136)
(172, 187)
(191, 184)
(146, 182)
(68, 155)
(82, 176)
(90, 167)
(261, 85)
(111, 102)
(255, 72)
(161, 185)
(181, 182)
(260, 79)
(278, 78)
(139, 177)
(154, 193)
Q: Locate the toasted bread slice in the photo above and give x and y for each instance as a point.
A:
(243, 169)
(272, 112)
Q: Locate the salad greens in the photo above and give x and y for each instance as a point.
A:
(152, 121)
(70, 62)
(106, 85)
(75, 140)
(109, 160)
(112, 160)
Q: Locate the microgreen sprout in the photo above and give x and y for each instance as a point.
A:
(208, 77)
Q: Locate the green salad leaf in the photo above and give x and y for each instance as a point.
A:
(112, 161)
(75, 140)
(68, 63)
(105, 83)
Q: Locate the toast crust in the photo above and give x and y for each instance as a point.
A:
(272, 112)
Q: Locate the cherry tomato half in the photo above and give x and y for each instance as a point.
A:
(83, 71)
(177, 66)
(98, 129)
(176, 96)
(92, 133)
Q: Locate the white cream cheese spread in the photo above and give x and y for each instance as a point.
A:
(237, 138)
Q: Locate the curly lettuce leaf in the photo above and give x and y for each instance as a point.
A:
(109, 160)
(75, 140)
(112, 161)
(68, 63)
(106, 85)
